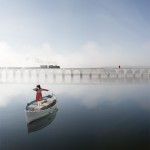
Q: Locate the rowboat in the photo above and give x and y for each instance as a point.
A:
(43, 122)
(33, 111)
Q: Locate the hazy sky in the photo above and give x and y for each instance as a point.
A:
(75, 33)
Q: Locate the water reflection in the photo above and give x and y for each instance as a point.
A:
(43, 122)
(98, 117)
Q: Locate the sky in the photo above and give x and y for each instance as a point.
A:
(74, 33)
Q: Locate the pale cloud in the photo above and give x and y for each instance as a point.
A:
(8, 55)
(90, 54)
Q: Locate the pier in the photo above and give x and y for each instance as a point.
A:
(72, 75)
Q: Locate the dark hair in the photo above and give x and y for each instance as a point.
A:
(38, 86)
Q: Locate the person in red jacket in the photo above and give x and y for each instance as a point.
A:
(39, 90)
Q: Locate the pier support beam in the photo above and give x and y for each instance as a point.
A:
(0, 76)
(54, 77)
(90, 76)
(46, 77)
(81, 76)
(99, 76)
(14, 75)
(72, 77)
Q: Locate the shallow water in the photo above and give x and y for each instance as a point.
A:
(97, 117)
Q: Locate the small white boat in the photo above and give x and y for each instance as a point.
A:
(43, 122)
(33, 111)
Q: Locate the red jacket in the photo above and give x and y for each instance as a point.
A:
(39, 93)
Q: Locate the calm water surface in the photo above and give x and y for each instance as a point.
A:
(95, 117)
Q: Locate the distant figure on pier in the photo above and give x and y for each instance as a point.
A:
(119, 66)
(39, 90)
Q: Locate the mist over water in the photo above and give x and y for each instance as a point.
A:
(97, 117)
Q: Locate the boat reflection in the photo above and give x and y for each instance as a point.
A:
(41, 123)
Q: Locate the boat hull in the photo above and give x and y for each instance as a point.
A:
(36, 114)
(42, 122)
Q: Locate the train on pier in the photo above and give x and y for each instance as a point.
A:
(50, 66)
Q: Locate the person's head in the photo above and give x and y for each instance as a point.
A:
(38, 86)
